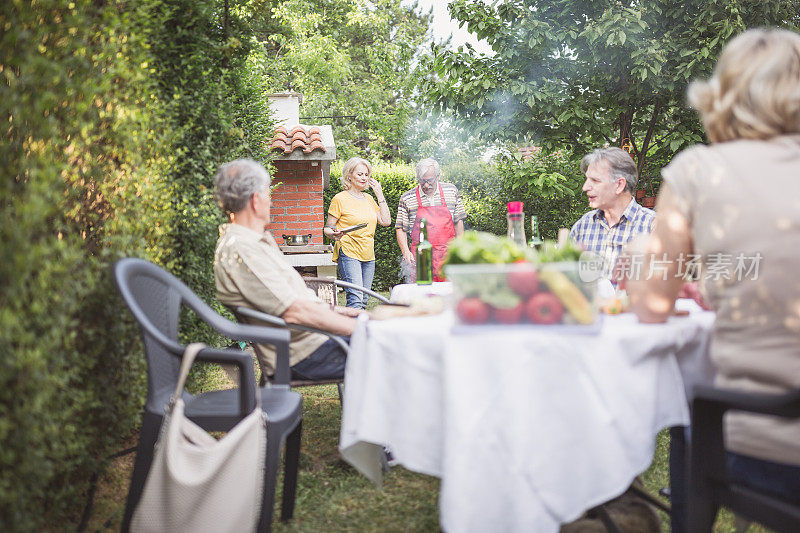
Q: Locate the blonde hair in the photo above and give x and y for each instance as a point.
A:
(754, 92)
(350, 167)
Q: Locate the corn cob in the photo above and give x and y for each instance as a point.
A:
(569, 294)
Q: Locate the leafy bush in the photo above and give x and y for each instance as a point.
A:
(548, 184)
(77, 193)
(218, 111)
(114, 117)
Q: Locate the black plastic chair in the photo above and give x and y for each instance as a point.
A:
(326, 286)
(709, 484)
(241, 312)
(155, 297)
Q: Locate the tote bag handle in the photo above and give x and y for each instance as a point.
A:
(189, 355)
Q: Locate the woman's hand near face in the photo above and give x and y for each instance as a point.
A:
(375, 185)
(384, 216)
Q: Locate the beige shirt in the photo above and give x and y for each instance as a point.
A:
(742, 200)
(250, 271)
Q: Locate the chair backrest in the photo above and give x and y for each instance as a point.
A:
(154, 297)
(710, 484)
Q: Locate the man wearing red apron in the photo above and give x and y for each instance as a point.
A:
(440, 231)
(444, 221)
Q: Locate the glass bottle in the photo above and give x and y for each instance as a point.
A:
(424, 256)
(516, 223)
(563, 236)
(536, 239)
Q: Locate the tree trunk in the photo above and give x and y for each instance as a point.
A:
(225, 24)
(648, 135)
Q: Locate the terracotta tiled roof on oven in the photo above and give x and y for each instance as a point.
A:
(287, 141)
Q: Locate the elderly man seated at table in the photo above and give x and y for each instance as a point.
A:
(250, 271)
(616, 217)
(734, 203)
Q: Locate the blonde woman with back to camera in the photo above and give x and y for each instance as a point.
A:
(354, 251)
(736, 204)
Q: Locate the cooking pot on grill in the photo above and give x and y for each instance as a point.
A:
(296, 240)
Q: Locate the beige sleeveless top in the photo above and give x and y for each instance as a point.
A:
(742, 199)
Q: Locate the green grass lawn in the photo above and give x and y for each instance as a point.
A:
(331, 495)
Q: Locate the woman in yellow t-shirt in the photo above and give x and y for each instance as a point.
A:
(355, 250)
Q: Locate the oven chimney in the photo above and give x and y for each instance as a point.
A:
(286, 108)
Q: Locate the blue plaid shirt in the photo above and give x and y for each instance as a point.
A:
(594, 234)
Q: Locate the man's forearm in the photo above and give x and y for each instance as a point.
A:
(320, 316)
(348, 311)
(402, 240)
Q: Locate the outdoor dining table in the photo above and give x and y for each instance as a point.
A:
(408, 292)
(527, 427)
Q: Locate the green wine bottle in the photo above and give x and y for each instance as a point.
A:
(424, 256)
(536, 240)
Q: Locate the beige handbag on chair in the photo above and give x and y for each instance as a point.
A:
(197, 483)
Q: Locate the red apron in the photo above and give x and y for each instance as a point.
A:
(440, 231)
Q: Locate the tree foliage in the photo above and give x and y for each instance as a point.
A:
(352, 60)
(575, 74)
(442, 137)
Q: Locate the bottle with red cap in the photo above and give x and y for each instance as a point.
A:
(516, 223)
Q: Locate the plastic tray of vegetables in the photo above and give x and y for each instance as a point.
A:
(496, 282)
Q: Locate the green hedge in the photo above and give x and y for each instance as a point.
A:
(485, 188)
(75, 152)
(114, 116)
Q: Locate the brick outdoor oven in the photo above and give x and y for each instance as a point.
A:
(303, 155)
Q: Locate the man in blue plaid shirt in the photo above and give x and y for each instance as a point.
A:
(616, 218)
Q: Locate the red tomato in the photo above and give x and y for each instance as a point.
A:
(473, 310)
(544, 308)
(523, 280)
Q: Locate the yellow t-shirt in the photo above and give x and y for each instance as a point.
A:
(358, 244)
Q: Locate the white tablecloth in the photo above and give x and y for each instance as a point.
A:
(526, 428)
(408, 292)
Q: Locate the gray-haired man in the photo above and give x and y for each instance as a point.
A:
(439, 204)
(250, 271)
(611, 178)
